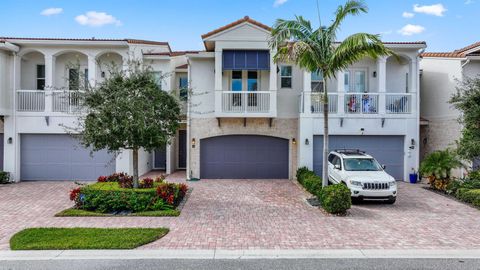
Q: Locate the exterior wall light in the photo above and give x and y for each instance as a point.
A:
(294, 141)
(307, 142)
(10, 140)
(193, 143)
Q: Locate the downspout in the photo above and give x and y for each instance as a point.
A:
(16, 176)
(462, 169)
(466, 63)
(189, 139)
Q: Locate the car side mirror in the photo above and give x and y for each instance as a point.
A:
(384, 166)
(337, 167)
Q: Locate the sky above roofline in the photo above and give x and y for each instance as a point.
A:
(445, 25)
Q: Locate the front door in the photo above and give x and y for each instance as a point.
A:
(182, 149)
(160, 158)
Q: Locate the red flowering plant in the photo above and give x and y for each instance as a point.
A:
(172, 193)
(160, 178)
(102, 179)
(146, 183)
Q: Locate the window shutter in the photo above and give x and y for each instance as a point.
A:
(246, 60)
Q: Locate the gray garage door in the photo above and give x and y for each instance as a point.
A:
(244, 157)
(1, 151)
(60, 157)
(388, 150)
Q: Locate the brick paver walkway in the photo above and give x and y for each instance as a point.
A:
(261, 214)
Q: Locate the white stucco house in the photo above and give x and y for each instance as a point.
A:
(441, 71)
(247, 117)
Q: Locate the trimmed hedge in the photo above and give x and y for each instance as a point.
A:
(309, 180)
(469, 196)
(336, 199)
(107, 197)
(4, 177)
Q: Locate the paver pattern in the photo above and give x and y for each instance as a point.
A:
(261, 214)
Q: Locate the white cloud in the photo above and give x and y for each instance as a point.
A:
(411, 29)
(94, 18)
(468, 2)
(51, 11)
(407, 14)
(436, 10)
(278, 3)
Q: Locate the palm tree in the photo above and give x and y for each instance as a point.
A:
(317, 50)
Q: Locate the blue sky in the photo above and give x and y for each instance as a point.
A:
(445, 24)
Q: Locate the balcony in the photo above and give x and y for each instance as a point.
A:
(245, 103)
(39, 100)
(361, 103)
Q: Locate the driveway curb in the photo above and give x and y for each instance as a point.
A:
(237, 254)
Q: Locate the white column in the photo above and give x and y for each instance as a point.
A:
(341, 92)
(307, 93)
(218, 81)
(382, 83)
(49, 81)
(92, 70)
(273, 85)
(168, 161)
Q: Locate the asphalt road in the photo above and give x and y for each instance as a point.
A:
(253, 264)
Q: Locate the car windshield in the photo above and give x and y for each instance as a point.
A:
(361, 164)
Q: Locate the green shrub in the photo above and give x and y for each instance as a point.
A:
(313, 184)
(303, 173)
(106, 197)
(335, 199)
(471, 184)
(453, 186)
(474, 175)
(470, 196)
(4, 177)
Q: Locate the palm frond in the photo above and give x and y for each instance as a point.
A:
(351, 7)
(356, 47)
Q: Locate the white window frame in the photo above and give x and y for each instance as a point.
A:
(351, 80)
(286, 77)
(40, 78)
(312, 81)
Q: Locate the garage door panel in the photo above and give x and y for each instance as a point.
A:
(61, 157)
(243, 156)
(388, 150)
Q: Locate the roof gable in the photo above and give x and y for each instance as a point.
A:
(239, 27)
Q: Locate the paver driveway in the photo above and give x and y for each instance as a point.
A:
(261, 214)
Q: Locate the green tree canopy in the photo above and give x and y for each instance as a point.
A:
(129, 111)
(467, 101)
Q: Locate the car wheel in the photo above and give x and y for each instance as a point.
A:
(392, 200)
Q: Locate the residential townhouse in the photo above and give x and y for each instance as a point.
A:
(246, 116)
(441, 73)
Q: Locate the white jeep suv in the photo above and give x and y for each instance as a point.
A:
(362, 174)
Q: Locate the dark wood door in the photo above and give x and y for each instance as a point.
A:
(182, 149)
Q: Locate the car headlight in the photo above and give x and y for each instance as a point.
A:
(392, 183)
(356, 183)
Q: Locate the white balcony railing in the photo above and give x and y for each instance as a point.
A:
(245, 102)
(30, 100)
(66, 101)
(398, 103)
(361, 103)
(317, 103)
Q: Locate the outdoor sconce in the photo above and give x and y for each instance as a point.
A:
(307, 142)
(193, 143)
(362, 130)
(102, 74)
(374, 74)
(10, 140)
(294, 141)
(412, 144)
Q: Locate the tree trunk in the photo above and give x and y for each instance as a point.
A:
(135, 168)
(325, 135)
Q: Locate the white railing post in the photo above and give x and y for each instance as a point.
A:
(307, 93)
(49, 81)
(341, 92)
(382, 83)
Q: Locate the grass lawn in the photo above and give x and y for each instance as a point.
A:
(84, 238)
(72, 212)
